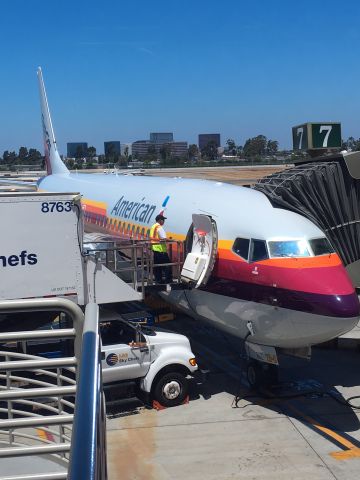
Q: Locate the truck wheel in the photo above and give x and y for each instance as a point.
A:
(171, 389)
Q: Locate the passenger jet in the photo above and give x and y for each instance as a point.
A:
(276, 280)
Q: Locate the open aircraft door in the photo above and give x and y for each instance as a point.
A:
(201, 257)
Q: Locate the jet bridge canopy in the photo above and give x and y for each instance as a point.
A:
(327, 192)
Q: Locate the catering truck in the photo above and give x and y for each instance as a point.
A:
(41, 252)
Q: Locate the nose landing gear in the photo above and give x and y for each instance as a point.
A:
(260, 374)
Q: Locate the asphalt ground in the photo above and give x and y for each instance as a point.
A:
(303, 427)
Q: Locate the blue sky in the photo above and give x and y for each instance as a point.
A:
(119, 69)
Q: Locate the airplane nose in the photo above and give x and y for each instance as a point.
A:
(334, 305)
(346, 306)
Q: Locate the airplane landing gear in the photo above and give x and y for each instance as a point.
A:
(260, 374)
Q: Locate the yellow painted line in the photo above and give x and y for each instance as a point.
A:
(351, 450)
(347, 454)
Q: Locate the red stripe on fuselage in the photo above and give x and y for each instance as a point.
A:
(326, 280)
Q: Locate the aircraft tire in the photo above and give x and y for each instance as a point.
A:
(254, 374)
(261, 374)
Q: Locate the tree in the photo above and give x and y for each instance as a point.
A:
(80, 153)
(350, 144)
(231, 146)
(255, 146)
(70, 163)
(193, 152)
(34, 157)
(23, 155)
(272, 147)
(9, 157)
(165, 152)
(91, 153)
(210, 150)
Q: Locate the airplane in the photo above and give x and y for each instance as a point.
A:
(270, 276)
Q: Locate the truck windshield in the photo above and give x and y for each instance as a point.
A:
(289, 248)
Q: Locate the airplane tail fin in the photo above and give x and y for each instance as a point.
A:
(54, 164)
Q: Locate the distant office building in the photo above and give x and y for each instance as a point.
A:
(142, 147)
(112, 148)
(179, 149)
(157, 137)
(146, 147)
(205, 138)
(77, 150)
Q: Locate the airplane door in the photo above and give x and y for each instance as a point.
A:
(200, 261)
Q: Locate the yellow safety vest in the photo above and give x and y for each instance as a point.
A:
(156, 247)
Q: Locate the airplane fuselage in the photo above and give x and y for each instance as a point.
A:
(291, 301)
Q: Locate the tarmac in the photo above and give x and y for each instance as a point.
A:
(302, 428)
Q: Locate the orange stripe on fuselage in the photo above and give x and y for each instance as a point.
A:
(94, 207)
(331, 260)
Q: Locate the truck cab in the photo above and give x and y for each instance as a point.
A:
(157, 362)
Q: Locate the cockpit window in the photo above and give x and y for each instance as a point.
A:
(241, 247)
(321, 246)
(258, 251)
(289, 248)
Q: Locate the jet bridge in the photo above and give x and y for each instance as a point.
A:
(326, 190)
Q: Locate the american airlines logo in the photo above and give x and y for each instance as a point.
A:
(139, 211)
(22, 259)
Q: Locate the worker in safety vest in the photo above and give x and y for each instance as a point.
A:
(157, 232)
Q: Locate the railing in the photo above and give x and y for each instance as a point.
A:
(37, 398)
(88, 455)
(132, 260)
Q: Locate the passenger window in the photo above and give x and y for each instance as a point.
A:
(241, 247)
(258, 251)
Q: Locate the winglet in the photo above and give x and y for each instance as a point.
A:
(54, 164)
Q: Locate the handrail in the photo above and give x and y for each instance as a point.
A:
(38, 476)
(35, 364)
(87, 449)
(35, 392)
(139, 256)
(88, 453)
(37, 421)
(49, 305)
(36, 335)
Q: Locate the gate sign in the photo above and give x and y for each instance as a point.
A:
(317, 136)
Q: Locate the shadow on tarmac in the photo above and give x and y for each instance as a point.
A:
(309, 391)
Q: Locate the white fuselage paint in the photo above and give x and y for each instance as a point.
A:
(238, 212)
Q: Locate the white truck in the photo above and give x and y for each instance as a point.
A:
(42, 255)
(153, 361)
